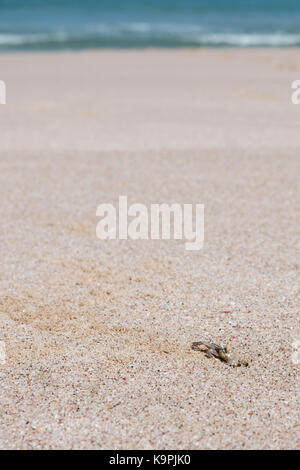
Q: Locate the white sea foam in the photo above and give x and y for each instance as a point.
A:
(245, 40)
(160, 34)
(23, 39)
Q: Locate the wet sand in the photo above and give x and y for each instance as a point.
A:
(97, 333)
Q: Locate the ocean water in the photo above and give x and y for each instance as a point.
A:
(79, 24)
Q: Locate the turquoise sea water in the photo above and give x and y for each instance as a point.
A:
(78, 24)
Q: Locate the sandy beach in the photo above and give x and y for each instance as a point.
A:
(98, 333)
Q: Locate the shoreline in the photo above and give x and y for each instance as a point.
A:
(154, 49)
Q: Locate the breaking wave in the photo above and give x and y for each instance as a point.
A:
(138, 35)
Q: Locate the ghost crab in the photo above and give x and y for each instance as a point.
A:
(223, 353)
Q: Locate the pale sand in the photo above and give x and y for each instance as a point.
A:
(98, 334)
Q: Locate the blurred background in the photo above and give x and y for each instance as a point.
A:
(79, 24)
